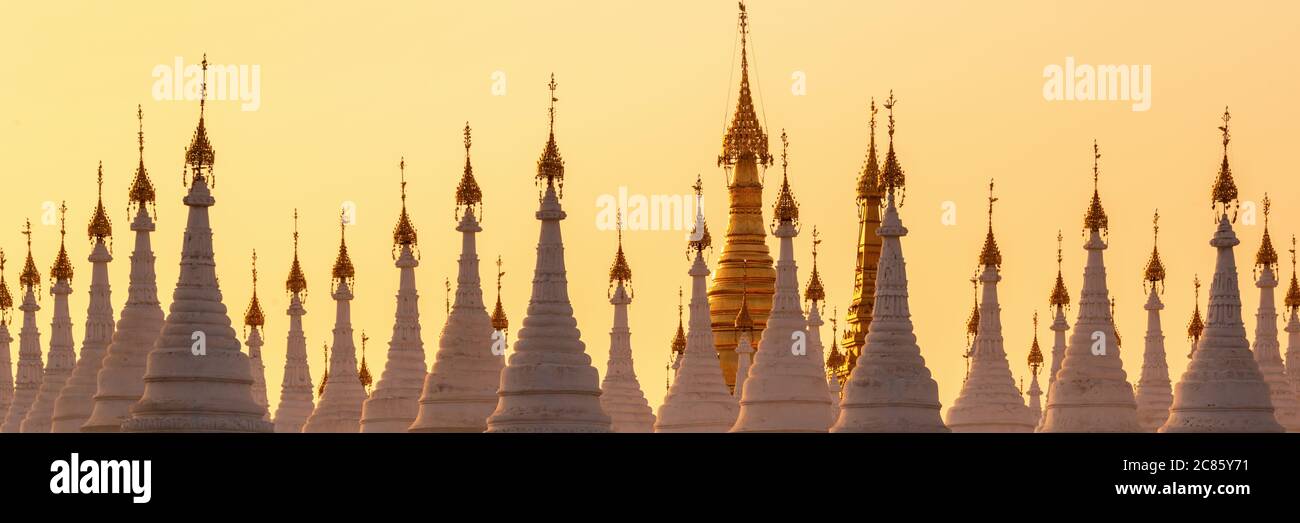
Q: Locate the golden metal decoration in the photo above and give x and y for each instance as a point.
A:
(744, 320)
(550, 167)
(1035, 352)
(1060, 297)
(499, 320)
(867, 259)
(253, 317)
(1292, 300)
(1267, 255)
(1095, 219)
(705, 240)
(199, 156)
(100, 226)
(1224, 191)
(404, 231)
(973, 321)
(1196, 327)
(893, 177)
(364, 373)
(990, 256)
(786, 209)
(6, 299)
(468, 194)
(1155, 271)
(834, 359)
(296, 283)
(745, 139)
(619, 271)
(142, 191)
(679, 340)
(30, 277)
(343, 269)
(815, 291)
(62, 269)
(869, 179)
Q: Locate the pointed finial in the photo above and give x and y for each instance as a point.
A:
(364, 374)
(100, 227)
(1155, 271)
(404, 234)
(892, 177)
(1035, 352)
(343, 271)
(620, 272)
(30, 277)
(550, 167)
(551, 111)
(199, 156)
(1292, 300)
(744, 320)
(296, 283)
(468, 193)
(745, 138)
(1224, 192)
(1060, 297)
(1095, 219)
(1267, 255)
(142, 191)
(6, 299)
(679, 340)
(1196, 327)
(869, 180)
(815, 292)
(62, 269)
(254, 317)
(990, 255)
(499, 320)
(786, 208)
(699, 241)
(973, 320)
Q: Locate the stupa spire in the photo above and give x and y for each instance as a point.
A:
(989, 400)
(363, 373)
(395, 401)
(27, 379)
(698, 399)
(621, 396)
(76, 400)
(61, 358)
(500, 322)
(677, 349)
(1196, 326)
(339, 407)
(1035, 364)
(1222, 389)
(1292, 303)
(296, 387)
(1060, 302)
(1266, 347)
(1153, 394)
(890, 389)
(203, 387)
(469, 197)
(1095, 395)
(254, 325)
(120, 382)
(858, 317)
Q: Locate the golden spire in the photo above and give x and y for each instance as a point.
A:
(1292, 300)
(403, 233)
(1114, 328)
(619, 272)
(253, 317)
(1095, 218)
(1060, 297)
(364, 373)
(100, 227)
(786, 208)
(6, 299)
(1196, 327)
(142, 191)
(30, 277)
(745, 138)
(199, 156)
(679, 341)
(744, 321)
(1035, 352)
(973, 321)
(62, 269)
(892, 177)
(468, 194)
(869, 180)
(815, 292)
(325, 377)
(296, 283)
(343, 270)
(1224, 191)
(704, 241)
(1267, 255)
(1155, 271)
(990, 256)
(499, 320)
(550, 166)
(834, 359)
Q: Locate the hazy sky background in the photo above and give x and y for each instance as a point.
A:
(644, 89)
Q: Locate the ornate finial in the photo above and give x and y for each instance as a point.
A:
(1292, 300)
(892, 177)
(1095, 219)
(404, 232)
(1224, 191)
(990, 256)
(468, 194)
(1155, 271)
(1267, 255)
(343, 270)
(973, 321)
(834, 359)
(704, 240)
(1060, 297)
(1196, 327)
(296, 283)
(199, 156)
(745, 138)
(364, 373)
(550, 167)
(325, 376)
(679, 341)
(815, 292)
(1035, 352)
(6, 299)
(253, 317)
(142, 191)
(30, 277)
(619, 272)
(869, 180)
(62, 269)
(786, 208)
(499, 320)
(100, 227)
(744, 321)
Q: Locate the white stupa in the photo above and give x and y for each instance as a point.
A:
(6, 364)
(460, 391)
(1222, 389)
(1266, 348)
(1092, 392)
(1292, 303)
(121, 379)
(62, 357)
(1035, 364)
(989, 400)
(296, 386)
(786, 387)
(1059, 301)
(342, 390)
(549, 384)
(27, 377)
(890, 389)
(620, 392)
(197, 379)
(1153, 393)
(698, 399)
(254, 325)
(395, 401)
(73, 407)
